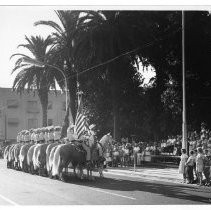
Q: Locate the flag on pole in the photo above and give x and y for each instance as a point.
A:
(81, 124)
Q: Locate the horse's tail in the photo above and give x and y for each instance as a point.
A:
(21, 156)
(56, 162)
(34, 157)
(6, 152)
(47, 156)
(51, 157)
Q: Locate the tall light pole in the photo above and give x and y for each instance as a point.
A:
(184, 123)
(42, 64)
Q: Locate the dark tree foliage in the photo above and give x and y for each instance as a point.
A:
(115, 42)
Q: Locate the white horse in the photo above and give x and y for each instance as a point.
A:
(30, 158)
(49, 156)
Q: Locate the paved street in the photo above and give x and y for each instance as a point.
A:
(18, 188)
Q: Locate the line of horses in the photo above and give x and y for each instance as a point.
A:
(54, 159)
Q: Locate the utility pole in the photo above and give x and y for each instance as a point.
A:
(184, 123)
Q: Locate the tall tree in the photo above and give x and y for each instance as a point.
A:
(64, 37)
(35, 78)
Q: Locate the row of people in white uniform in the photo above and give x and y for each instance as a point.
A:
(47, 134)
(53, 134)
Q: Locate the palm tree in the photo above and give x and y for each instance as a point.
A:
(34, 78)
(63, 44)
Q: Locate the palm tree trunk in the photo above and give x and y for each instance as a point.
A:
(73, 100)
(43, 95)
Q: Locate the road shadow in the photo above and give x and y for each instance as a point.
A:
(191, 193)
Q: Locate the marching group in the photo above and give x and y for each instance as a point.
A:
(34, 148)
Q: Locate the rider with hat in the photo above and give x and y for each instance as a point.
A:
(71, 135)
(88, 140)
(57, 133)
(26, 137)
(51, 134)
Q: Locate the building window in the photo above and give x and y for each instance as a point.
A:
(12, 103)
(32, 123)
(13, 121)
(50, 105)
(50, 122)
(32, 107)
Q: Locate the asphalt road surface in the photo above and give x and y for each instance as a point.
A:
(19, 188)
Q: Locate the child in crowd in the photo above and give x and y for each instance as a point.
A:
(207, 164)
(183, 159)
(199, 164)
(189, 167)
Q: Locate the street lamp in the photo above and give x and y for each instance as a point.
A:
(42, 64)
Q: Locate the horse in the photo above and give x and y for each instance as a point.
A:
(16, 155)
(71, 153)
(29, 159)
(35, 160)
(64, 155)
(49, 157)
(39, 158)
(6, 152)
(23, 157)
(11, 158)
(41, 155)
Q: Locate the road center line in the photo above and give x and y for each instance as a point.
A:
(8, 200)
(102, 191)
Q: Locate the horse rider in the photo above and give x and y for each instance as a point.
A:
(71, 135)
(31, 131)
(33, 136)
(51, 134)
(88, 140)
(18, 137)
(26, 137)
(41, 135)
(57, 133)
(37, 136)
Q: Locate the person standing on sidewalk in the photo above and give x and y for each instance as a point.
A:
(199, 164)
(183, 159)
(207, 164)
(189, 167)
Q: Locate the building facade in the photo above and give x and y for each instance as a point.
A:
(18, 112)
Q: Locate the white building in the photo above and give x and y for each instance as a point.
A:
(25, 112)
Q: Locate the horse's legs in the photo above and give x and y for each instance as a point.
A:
(32, 168)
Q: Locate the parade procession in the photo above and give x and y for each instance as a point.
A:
(42, 151)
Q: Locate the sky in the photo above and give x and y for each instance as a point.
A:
(16, 23)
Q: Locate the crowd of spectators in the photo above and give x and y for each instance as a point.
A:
(170, 147)
(196, 166)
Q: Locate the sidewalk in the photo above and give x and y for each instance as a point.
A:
(150, 173)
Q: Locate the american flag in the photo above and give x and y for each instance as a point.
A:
(81, 121)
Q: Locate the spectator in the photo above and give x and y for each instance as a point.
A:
(183, 160)
(189, 167)
(207, 167)
(199, 164)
